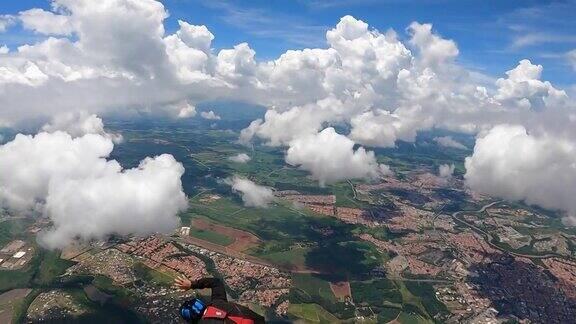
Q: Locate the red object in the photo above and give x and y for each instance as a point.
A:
(213, 312)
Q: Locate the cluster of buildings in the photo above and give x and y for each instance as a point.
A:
(326, 205)
(15, 255)
(156, 252)
(472, 278)
(565, 272)
(184, 231)
(253, 282)
(321, 204)
(470, 247)
(520, 287)
(408, 255)
(54, 305)
(160, 304)
(409, 218)
(111, 263)
(207, 199)
(478, 282)
(465, 304)
(553, 243)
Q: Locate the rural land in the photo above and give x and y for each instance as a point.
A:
(408, 247)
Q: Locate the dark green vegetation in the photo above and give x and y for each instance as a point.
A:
(312, 289)
(19, 278)
(109, 312)
(330, 244)
(21, 309)
(348, 258)
(42, 274)
(312, 313)
(150, 275)
(426, 153)
(11, 229)
(322, 249)
(41, 271)
(390, 299)
(291, 238)
(50, 267)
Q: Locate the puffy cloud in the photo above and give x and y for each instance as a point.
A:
(363, 72)
(380, 129)
(5, 22)
(186, 111)
(448, 141)
(383, 88)
(247, 134)
(79, 124)
(189, 52)
(198, 37)
(523, 88)
(30, 163)
(433, 48)
(210, 115)
(237, 66)
(138, 201)
(331, 157)
(372, 82)
(85, 195)
(510, 163)
(103, 67)
(138, 67)
(240, 158)
(446, 171)
(91, 65)
(317, 86)
(282, 127)
(46, 22)
(180, 110)
(253, 194)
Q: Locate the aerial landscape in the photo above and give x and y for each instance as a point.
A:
(376, 177)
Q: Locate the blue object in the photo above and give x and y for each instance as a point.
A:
(192, 310)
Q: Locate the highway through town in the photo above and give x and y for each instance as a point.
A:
(489, 238)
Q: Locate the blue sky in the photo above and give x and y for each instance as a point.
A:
(492, 35)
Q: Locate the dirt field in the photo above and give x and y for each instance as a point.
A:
(341, 289)
(225, 250)
(242, 240)
(73, 251)
(7, 302)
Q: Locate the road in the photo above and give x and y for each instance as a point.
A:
(353, 189)
(488, 237)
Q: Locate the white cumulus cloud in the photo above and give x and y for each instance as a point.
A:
(446, 171)
(5, 22)
(240, 158)
(78, 124)
(85, 195)
(46, 22)
(448, 141)
(331, 157)
(253, 195)
(523, 88)
(382, 87)
(210, 115)
(510, 163)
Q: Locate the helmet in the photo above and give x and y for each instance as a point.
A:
(192, 310)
